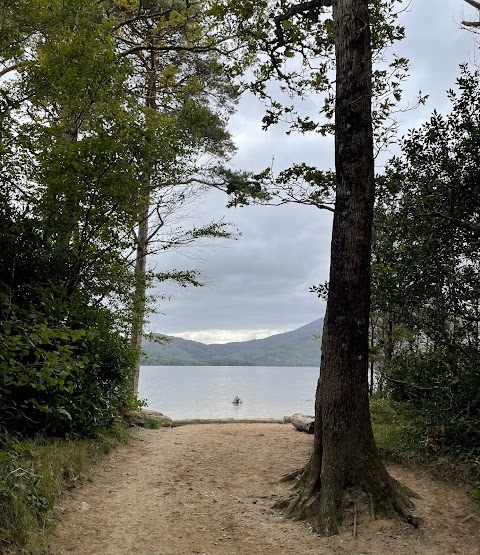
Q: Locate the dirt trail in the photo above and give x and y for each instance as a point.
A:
(208, 489)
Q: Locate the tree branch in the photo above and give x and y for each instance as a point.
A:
(474, 227)
(414, 386)
(473, 3)
(476, 5)
(12, 68)
(302, 8)
(141, 18)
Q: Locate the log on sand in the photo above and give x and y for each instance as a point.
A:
(303, 423)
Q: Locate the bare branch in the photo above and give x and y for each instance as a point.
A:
(473, 3)
(412, 385)
(12, 68)
(476, 5)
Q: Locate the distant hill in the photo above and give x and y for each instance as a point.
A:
(293, 348)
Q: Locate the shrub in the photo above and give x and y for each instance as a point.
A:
(58, 380)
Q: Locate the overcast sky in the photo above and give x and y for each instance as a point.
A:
(259, 284)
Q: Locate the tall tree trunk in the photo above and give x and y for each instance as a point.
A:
(372, 363)
(139, 301)
(345, 466)
(388, 342)
(140, 293)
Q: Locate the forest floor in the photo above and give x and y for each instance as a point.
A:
(209, 489)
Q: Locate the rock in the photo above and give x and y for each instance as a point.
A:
(148, 419)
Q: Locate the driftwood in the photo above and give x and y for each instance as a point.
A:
(303, 423)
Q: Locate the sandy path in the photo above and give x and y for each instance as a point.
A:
(208, 489)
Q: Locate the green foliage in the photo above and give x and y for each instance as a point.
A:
(398, 430)
(404, 434)
(153, 424)
(284, 54)
(32, 475)
(426, 271)
(60, 380)
(82, 154)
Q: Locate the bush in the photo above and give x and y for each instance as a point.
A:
(58, 380)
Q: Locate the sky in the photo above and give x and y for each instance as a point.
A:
(258, 285)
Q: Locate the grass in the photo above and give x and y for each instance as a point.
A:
(398, 431)
(402, 436)
(153, 424)
(32, 475)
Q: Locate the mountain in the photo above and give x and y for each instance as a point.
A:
(293, 348)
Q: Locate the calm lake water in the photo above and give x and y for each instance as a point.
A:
(208, 391)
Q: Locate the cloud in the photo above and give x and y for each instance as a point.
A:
(229, 336)
(260, 283)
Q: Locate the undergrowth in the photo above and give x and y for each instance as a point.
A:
(32, 475)
(405, 434)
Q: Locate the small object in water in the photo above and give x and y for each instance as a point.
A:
(237, 400)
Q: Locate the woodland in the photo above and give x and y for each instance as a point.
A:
(114, 118)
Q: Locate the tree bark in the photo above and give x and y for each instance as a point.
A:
(139, 301)
(372, 363)
(345, 465)
(140, 293)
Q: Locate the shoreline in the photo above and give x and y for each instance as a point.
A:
(187, 421)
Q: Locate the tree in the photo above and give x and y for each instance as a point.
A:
(427, 269)
(119, 90)
(297, 42)
(345, 465)
(71, 139)
(175, 61)
(75, 143)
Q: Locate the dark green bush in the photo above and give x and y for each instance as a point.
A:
(58, 380)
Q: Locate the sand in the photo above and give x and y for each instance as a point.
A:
(209, 489)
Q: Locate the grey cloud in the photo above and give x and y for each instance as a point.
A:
(262, 280)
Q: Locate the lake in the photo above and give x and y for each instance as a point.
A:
(208, 391)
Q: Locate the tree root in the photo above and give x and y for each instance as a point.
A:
(303, 504)
(371, 499)
(405, 490)
(292, 475)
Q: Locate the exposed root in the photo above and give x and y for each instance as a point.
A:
(292, 475)
(371, 506)
(303, 504)
(405, 490)
(354, 521)
(282, 503)
(326, 507)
